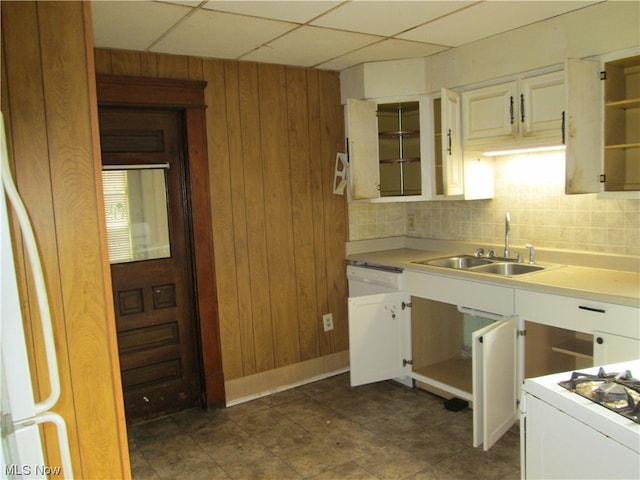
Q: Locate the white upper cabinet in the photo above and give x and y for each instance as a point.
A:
(388, 145)
(488, 114)
(362, 128)
(411, 149)
(541, 103)
(602, 130)
(583, 126)
(451, 144)
(521, 113)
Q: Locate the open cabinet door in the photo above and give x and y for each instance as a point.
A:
(379, 337)
(364, 157)
(583, 126)
(494, 381)
(452, 158)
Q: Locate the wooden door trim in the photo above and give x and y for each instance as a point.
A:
(188, 96)
(142, 91)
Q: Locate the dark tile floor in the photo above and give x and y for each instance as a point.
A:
(324, 430)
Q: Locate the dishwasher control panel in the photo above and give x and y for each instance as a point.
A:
(388, 279)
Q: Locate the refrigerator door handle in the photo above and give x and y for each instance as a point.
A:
(38, 277)
(61, 430)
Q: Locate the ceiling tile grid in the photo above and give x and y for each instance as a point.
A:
(331, 35)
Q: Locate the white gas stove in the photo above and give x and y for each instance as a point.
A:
(567, 434)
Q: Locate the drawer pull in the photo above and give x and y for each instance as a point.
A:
(599, 340)
(592, 309)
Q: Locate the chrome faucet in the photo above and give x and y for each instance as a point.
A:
(532, 253)
(507, 232)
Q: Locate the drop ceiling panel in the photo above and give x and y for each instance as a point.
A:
(220, 35)
(133, 25)
(328, 34)
(487, 19)
(290, 11)
(309, 46)
(389, 49)
(385, 18)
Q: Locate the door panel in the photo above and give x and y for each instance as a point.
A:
(494, 381)
(362, 126)
(379, 337)
(151, 260)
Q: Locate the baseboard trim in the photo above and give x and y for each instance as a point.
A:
(259, 385)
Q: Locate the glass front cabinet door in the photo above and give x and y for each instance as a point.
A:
(411, 150)
(387, 148)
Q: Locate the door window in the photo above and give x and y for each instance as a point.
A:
(136, 213)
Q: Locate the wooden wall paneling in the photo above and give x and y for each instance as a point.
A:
(126, 63)
(23, 106)
(254, 194)
(317, 200)
(149, 64)
(103, 61)
(112, 339)
(195, 68)
(259, 204)
(335, 206)
(278, 213)
(239, 212)
(172, 66)
(222, 217)
(81, 259)
(302, 211)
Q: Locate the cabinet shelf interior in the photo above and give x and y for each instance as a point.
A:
(624, 104)
(576, 348)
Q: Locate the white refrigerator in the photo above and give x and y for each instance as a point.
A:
(22, 454)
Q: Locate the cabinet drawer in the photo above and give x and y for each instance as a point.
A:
(577, 314)
(479, 296)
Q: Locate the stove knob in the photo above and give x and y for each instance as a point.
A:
(599, 340)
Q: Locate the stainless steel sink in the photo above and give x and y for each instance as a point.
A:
(492, 265)
(508, 268)
(461, 262)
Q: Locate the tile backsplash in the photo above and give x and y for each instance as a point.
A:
(531, 188)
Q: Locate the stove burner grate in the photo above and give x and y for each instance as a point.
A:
(619, 392)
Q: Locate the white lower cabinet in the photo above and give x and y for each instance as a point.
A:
(395, 335)
(592, 332)
(477, 341)
(379, 337)
(610, 348)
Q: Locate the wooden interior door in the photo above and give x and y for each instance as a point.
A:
(148, 229)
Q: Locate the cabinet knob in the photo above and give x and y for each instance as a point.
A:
(599, 340)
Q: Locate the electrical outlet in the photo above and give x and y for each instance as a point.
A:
(327, 320)
(411, 222)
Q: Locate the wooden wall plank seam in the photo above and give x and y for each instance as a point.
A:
(222, 217)
(239, 219)
(254, 195)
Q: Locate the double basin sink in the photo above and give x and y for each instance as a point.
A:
(495, 266)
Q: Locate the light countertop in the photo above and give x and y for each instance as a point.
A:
(597, 284)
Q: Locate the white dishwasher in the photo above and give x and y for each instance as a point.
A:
(376, 342)
(371, 280)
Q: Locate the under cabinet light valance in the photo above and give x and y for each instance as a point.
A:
(515, 151)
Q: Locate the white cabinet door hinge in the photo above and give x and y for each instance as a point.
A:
(406, 305)
(521, 333)
(406, 362)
